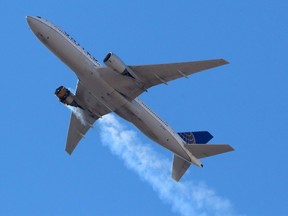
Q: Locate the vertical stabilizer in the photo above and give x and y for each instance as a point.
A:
(196, 137)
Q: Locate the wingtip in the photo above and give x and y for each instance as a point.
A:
(225, 61)
(69, 152)
(175, 178)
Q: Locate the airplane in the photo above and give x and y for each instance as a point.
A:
(116, 87)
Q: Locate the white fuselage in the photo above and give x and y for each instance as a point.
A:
(85, 67)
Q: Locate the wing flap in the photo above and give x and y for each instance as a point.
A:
(207, 150)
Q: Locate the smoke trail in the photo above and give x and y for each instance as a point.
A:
(79, 113)
(186, 198)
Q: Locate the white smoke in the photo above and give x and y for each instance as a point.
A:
(186, 198)
(79, 113)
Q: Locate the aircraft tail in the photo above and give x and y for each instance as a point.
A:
(196, 137)
(180, 165)
(194, 141)
(196, 145)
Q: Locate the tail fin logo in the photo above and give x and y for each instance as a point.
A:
(188, 137)
(196, 137)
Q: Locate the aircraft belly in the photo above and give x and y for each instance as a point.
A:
(162, 136)
(151, 127)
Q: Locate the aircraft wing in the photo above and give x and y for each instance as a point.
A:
(77, 130)
(151, 75)
(156, 74)
(81, 119)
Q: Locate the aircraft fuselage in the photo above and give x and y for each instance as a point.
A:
(85, 67)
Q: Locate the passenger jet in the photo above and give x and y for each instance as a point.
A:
(115, 88)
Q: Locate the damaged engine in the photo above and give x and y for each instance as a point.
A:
(66, 97)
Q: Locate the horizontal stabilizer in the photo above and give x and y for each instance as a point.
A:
(179, 167)
(201, 151)
(196, 137)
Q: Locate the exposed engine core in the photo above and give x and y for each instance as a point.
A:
(66, 97)
(116, 64)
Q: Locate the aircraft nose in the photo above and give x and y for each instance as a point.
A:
(28, 18)
(38, 26)
(35, 22)
(32, 22)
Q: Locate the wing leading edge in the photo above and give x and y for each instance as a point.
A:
(156, 74)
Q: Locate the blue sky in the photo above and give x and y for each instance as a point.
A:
(243, 104)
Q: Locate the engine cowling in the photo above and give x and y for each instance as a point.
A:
(65, 96)
(115, 63)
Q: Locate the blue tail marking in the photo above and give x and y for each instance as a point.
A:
(202, 137)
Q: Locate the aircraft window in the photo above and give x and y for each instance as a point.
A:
(154, 114)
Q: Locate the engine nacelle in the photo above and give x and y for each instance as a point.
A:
(115, 63)
(66, 97)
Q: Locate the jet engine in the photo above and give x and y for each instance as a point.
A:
(116, 64)
(66, 97)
